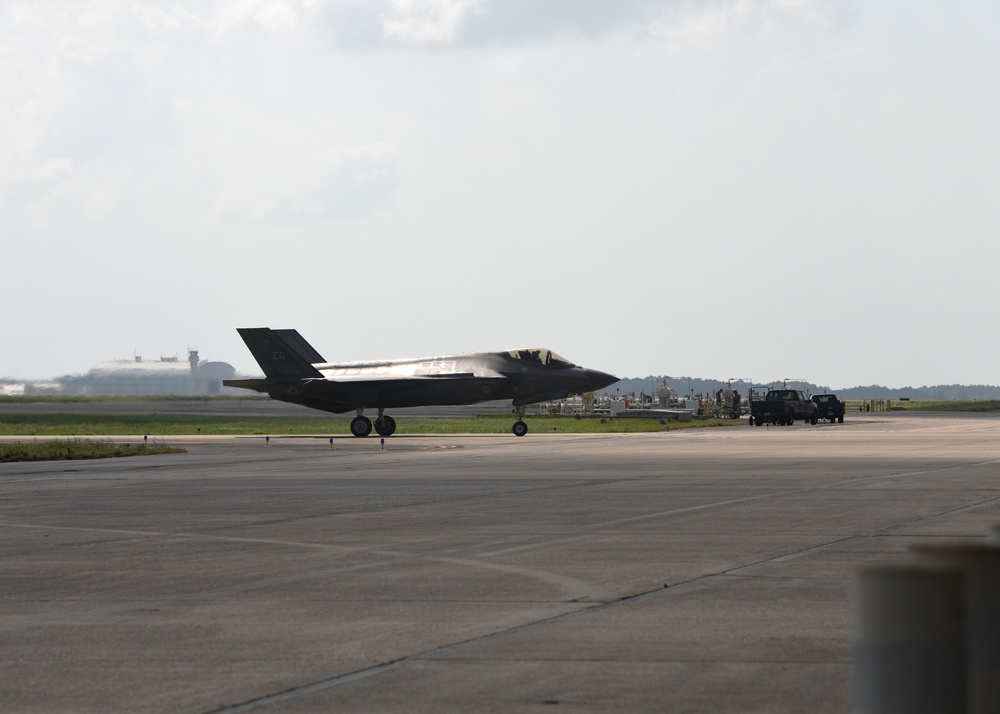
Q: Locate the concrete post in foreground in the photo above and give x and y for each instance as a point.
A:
(981, 565)
(909, 645)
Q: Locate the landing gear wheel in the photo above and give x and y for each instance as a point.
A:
(361, 426)
(520, 428)
(385, 426)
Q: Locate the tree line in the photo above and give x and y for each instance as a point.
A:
(683, 386)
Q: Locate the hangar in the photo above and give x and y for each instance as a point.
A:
(167, 375)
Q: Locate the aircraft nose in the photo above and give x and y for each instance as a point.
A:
(596, 379)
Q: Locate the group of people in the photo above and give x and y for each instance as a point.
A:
(734, 400)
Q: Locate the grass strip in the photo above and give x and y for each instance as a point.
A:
(986, 405)
(124, 398)
(72, 449)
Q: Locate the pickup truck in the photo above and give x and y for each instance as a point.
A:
(783, 406)
(830, 407)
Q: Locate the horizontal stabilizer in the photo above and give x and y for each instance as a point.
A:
(258, 385)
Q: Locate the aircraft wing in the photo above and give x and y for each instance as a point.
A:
(383, 377)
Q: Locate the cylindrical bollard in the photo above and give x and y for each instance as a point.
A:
(909, 653)
(980, 562)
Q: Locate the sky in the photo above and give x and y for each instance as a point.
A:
(747, 189)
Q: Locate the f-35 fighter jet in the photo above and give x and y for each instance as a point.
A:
(295, 372)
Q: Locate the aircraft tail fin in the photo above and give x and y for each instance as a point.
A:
(298, 343)
(278, 358)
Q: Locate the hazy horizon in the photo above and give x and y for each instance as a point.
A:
(639, 380)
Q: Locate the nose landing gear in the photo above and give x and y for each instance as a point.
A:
(520, 428)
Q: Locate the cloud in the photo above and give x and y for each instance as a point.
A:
(708, 25)
(527, 21)
(438, 24)
(119, 112)
(463, 24)
(95, 27)
(340, 185)
(89, 84)
(426, 21)
(52, 170)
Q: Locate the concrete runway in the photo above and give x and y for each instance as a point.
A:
(690, 571)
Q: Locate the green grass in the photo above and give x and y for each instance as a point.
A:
(976, 406)
(82, 399)
(91, 425)
(983, 405)
(71, 449)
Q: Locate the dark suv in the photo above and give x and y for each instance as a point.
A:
(829, 407)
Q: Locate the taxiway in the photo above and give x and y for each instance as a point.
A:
(703, 570)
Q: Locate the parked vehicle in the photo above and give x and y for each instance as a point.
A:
(829, 407)
(784, 406)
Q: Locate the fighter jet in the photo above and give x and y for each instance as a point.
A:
(295, 372)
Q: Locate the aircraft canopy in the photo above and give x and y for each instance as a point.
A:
(540, 356)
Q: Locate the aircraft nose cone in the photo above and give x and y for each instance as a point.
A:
(598, 380)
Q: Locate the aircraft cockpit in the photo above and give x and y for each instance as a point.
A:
(540, 357)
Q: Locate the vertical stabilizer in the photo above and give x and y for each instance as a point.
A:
(298, 343)
(275, 356)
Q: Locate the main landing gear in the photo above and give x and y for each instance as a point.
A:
(362, 425)
(520, 428)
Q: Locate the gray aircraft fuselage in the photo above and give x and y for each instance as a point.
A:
(296, 373)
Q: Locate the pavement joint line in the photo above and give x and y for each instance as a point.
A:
(188, 536)
(783, 492)
(843, 541)
(270, 582)
(943, 514)
(327, 572)
(444, 650)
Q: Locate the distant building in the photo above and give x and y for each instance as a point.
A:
(168, 375)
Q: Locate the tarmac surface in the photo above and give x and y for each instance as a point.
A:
(701, 570)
